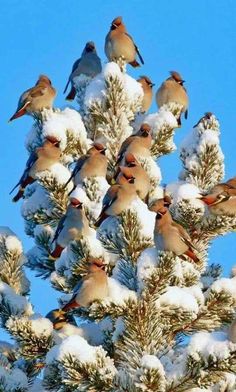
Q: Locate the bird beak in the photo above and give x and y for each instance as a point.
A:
(103, 152)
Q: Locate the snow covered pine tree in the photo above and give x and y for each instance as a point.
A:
(158, 319)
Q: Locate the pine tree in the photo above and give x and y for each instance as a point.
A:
(163, 326)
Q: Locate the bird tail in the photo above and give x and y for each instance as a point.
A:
(192, 255)
(20, 112)
(67, 84)
(19, 195)
(139, 56)
(71, 95)
(186, 114)
(56, 253)
(134, 64)
(179, 120)
(71, 305)
(101, 218)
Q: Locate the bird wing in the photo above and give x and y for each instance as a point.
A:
(136, 48)
(184, 235)
(123, 147)
(59, 228)
(31, 160)
(75, 65)
(77, 168)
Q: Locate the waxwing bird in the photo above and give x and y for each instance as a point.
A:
(147, 86)
(137, 145)
(119, 43)
(35, 99)
(39, 160)
(92, 164)
(232, 332)
(223, 203)
(72, 226)
(92, 287)
(172, 90)
(59, 318)
(224, 186)
(117, 199)
(206, 116)
(171, 236)
(141, 179)
(88, 64)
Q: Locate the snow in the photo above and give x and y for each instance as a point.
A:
(146, 264)
(215, 344)
(118, 293)
(145, 217)
(37, 386)
(133, 89)
(152, 362)
(224, 284)
(119, 329)
(41, 325)
(182, 190)
(13, 379)
(151, 168)
(38, 200)
(178, 297)
(18, 303)
(57, 171)
(163, 118)
(91, 332)
(12, 243)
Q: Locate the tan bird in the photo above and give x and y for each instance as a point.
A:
(147, 86)
(223, 203)
(171, 236)
(119, 44)
(141, 178)
(92, 164)
(172, 90)
(117, 199)
(72, 226)
(92, 287)
(59, 318)
(138, 145)
(89, 64)
(39, 160)
(35, 99)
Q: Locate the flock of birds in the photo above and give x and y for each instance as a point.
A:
(131, 180)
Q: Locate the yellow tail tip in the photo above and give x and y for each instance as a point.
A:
(50, 257)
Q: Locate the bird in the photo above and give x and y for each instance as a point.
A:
(88, 64)
(117, 199)
(206, 116)
(147, 86)
(93, 286)
(72, 226)
(119, 44)
(221, 203)
(224, 186)
(139, 144)
(135, 170)
(36, 98)
(39, 160)
(60, 318)
(232, 332)
(171, 236)
(172, 90)
(92, 164)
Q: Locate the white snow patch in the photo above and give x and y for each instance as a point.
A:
(178, 297)
(18, 303)
(152, 362)
(118, 293)
(215, 344)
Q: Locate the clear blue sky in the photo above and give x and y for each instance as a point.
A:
(196, 38)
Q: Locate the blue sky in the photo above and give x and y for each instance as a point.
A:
(196, 38)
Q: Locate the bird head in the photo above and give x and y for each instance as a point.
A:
(161, 212)
(117, 22)
(212, 200)
(147, 80)
(75, 203)
(90, 47)
(130, 160)
(53, 140)
(96, 263)
(177, 77)
(145, 130)
(59, 318)
(99, 147)
(44, 79)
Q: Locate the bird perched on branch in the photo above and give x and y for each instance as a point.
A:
(169, 235)
(60, 318)
(221, 203)
(172, 90)
(89, 64)
(92, 164)
(119, 44)
(92, 287)
(117, 199)
(39, 160)
(134, 169)
(72, 226)
(138, 145)
(35, 99)
(147, 86)
(206, 116)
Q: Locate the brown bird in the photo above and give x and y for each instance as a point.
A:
(39, 160)
(59, 318)
(35, 99)
(137, 145)
(147, 86)
(223, 203)
(92, 164)
(119, 43)
(171, 236)
(172, 90)
(72, 226)
(136, 171)
(88, 64)
(117, 199)
(92, 287)
(206, 116)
